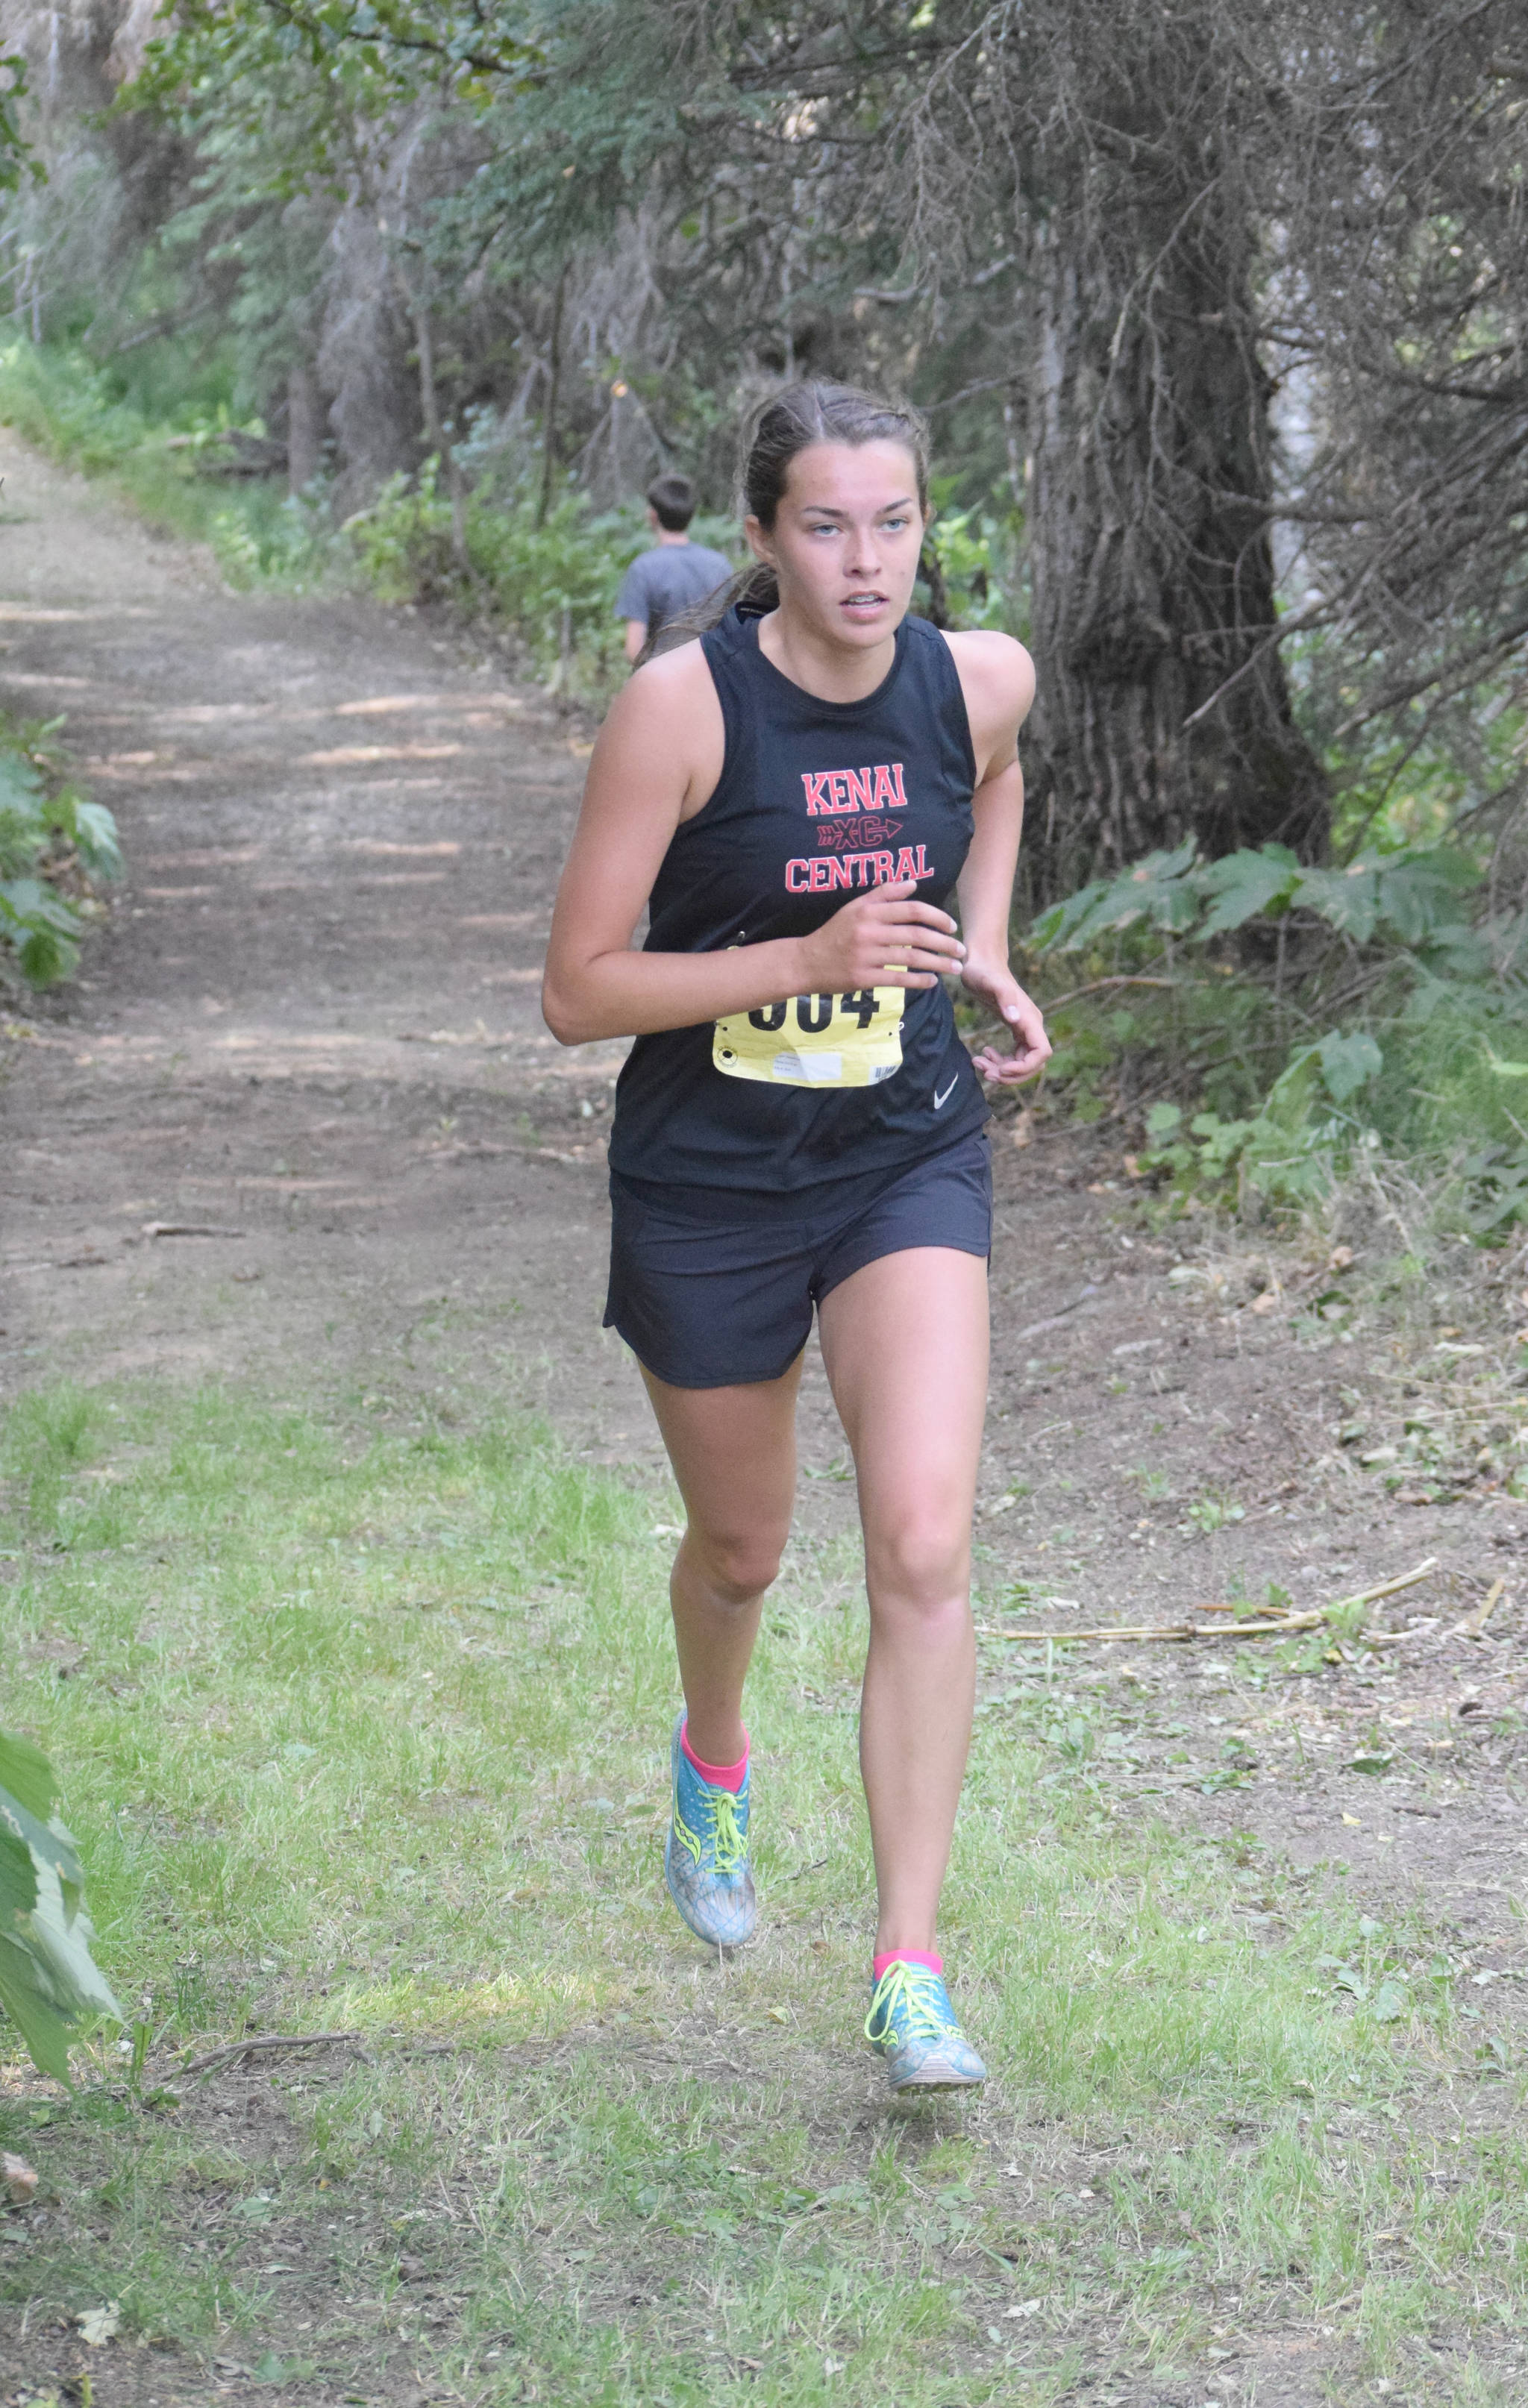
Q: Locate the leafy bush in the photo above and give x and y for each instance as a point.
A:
(60, 402)
(54, 846)
(80, 415)
(49, 1982)
(1414, 896)
(978, 557)
(1335, 1011)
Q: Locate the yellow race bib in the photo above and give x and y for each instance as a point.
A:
(816, 1040)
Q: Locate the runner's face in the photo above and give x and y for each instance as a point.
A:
(845, 540)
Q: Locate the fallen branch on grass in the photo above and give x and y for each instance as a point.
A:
(1272, 1625)
(267, 2044)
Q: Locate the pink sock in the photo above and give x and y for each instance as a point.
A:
(720, 1776)
(904, 1957)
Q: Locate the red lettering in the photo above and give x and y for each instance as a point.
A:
(865, 864)
(923, 869)
(822, 875)
(837, 792)
(795, 885)
(841, 872)
(902, 790)
(812, 779)
(883, 869)
(861, 785)
(886, 793)
(906, 865)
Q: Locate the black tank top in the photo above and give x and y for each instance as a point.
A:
(816, 800)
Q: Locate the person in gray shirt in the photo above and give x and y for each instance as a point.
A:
(662, 585)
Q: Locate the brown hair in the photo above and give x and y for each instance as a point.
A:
(672, 498)
(790, 422)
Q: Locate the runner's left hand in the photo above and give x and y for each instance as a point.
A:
(996, 985)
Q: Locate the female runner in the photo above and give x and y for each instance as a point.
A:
(794, 797)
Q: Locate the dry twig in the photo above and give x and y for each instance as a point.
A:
(1271, 1626)
(268, 2044)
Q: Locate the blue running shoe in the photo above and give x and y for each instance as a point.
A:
(705, 1863)
(913, 2025)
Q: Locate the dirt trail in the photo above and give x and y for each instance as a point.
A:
(312, 1025)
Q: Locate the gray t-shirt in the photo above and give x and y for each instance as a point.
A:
(663, 583)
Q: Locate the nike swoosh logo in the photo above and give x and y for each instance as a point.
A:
(940, 1100)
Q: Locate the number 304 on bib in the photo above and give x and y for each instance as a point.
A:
(816, 1040)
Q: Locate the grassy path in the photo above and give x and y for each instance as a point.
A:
(363, 1737)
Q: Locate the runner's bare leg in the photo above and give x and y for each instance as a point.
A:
(906, 1345)
(733, 1451)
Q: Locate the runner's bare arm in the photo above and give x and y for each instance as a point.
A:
(998, 680)
(656, 761)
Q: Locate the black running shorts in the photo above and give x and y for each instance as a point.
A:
(714, 1286)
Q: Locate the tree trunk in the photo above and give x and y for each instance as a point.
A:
(549, 416)
(429, 409)
(1152, 570)
(302, 429)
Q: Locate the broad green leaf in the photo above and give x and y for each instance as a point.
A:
(1287, 1105)
(1348, 1063)
(1242, 884)
(25, 1772)
(50, 1984)
(1419, 892)
(49, 1843)
(32, 904)
(96, 834)
(21, 782)
(1054, 927)
(1347, 899)
(18, 1881)
(45, 958)
(1156, 889)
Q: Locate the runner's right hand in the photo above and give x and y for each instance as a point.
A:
(887, 938)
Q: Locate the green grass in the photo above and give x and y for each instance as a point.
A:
(366, 1731)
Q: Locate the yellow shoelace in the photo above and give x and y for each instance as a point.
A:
(730, 1848)
(920, 1993)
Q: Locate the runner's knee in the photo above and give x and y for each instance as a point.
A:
(922, 1566)
(736, 1566)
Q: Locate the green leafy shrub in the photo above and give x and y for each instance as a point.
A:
(170, 469)
(60, 402)
(1317, 1015)
(978, 558)
(55, 848)
(50, 1984)
(1414, 896)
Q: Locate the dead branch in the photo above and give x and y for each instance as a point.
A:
(1095, 986)
(1281, 1626)
(268, 2044)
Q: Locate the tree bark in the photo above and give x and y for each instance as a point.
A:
(1149, 506)
(303, 421)
(549, 416)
